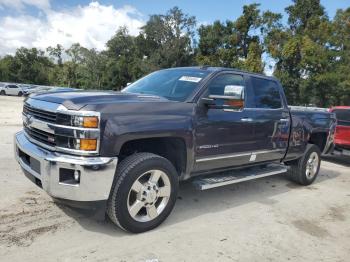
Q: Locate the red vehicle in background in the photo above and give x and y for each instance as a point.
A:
(342, 133)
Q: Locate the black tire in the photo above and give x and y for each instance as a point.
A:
(298, 168)
(2, 92)
(20, 93)
(128, 171)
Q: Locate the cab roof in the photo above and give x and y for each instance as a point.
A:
(214, 69)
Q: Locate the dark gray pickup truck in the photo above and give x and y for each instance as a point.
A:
(214, 126)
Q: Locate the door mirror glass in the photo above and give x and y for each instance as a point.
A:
(234, 92)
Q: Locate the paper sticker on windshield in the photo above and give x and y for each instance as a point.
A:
(190, 79)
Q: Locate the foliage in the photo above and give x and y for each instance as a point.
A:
(311, 52)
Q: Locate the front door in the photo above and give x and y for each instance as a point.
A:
(224, 137)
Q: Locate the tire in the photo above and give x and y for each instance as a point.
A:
(2, 92)
(20, 93)
(302, 170)
(141, 167)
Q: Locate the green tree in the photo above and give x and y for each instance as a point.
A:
(303, 54)
(237, 43)
(56, 53)
(166, 40)
(27, 66)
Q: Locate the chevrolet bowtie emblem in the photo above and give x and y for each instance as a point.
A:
(28, 120)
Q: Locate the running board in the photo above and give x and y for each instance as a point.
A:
(237, 176)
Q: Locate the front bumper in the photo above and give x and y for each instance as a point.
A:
(44, 167)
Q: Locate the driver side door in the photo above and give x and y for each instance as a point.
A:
(224, 136)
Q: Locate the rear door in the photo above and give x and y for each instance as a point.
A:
(272, 119)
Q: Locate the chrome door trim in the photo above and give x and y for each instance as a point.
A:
(220, 157)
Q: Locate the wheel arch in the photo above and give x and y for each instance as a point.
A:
(172, 148)
(319, 139)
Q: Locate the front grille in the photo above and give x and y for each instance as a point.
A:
(40, 136)
(48, 126)
(40, 114)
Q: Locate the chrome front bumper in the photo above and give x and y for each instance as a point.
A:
(44, 167)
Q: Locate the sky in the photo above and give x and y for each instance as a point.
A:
(43, 23)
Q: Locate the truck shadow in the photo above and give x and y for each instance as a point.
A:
(340, 160)
(192, 203)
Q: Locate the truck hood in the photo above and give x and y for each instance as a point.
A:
(77, 100)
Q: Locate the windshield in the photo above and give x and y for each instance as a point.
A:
(174, 84)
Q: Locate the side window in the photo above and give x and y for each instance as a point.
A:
(343, 117)
(266, 93)
(218, 84)
(12, 86)
(228, 90)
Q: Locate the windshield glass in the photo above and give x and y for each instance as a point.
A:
(174, 84)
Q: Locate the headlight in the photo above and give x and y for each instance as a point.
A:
(78, 121)
(85, 121)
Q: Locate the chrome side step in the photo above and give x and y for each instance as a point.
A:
(237, 176)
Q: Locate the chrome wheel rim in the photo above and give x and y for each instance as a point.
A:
(312, 165)
(149, 195)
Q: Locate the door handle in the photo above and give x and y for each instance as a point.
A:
(284, 120)
(247, 119)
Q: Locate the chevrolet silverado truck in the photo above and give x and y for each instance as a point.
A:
(130, 149)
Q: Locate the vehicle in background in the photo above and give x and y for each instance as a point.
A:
(27, 86)
(63, 89)
(46, 89)
(11, 89)
(37, 89)
(342, 133)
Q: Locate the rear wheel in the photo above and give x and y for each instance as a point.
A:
(144, 192)
(2, 92)
(305, 169)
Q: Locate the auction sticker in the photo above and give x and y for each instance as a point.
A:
(190, 79)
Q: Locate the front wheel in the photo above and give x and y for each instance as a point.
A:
(305, 169)
(144, 192)
(20, 93)
(2, 92)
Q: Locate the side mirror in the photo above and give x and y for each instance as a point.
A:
(129, 83)
(233, 99)
(234, 92)
(209, 102)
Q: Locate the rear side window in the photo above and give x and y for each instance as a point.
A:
(343, 116)
(266, 93)
(12, 86)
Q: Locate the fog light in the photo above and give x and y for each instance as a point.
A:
(77, 175)
(88, 144)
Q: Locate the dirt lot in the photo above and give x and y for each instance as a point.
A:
(269, 219)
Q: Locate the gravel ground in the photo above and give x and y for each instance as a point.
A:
(270, 219)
